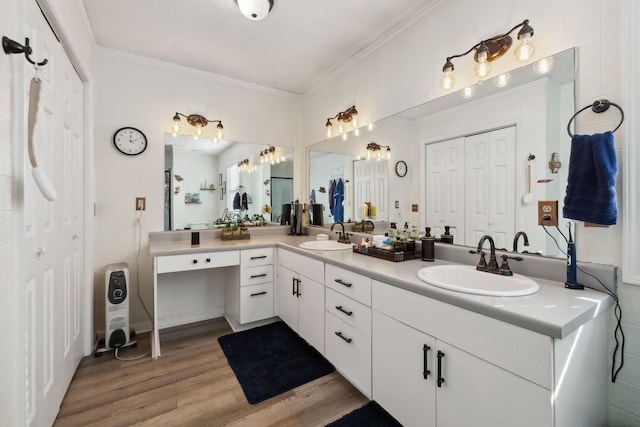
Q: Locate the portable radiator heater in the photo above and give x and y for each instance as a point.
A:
(116, 299)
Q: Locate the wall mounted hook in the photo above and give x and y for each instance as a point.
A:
(12, 47)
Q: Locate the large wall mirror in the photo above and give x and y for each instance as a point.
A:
(482, 160)
(202, 178)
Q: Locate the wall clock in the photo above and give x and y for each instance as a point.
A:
(401, 168)
(130, 141)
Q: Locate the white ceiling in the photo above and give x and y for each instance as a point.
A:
(299, 44)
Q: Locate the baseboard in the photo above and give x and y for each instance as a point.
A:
(182, 319)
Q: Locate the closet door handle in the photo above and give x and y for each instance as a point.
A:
(440, 379)
(259, 293)
(347, 340)
(342, 282)
(425, 372)
(258, 257)
(255, 276)
(347, 312)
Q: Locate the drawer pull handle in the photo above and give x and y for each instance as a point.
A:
(195, 261)
(425, 371)
(348, 285)
(339, 308)
(258, 257)
(440, 379)
(259, 293)
(347, 340)
(255, 276)
(208, 260)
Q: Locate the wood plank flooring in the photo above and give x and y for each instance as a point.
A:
(192, 385)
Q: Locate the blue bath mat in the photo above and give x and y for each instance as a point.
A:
(271, 359)
(370, 415)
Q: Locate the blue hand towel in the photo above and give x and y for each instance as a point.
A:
(591, 184)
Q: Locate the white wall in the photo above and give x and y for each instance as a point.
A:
(145, 93)
(405, 71)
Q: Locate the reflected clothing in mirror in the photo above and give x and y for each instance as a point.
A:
(336, 189)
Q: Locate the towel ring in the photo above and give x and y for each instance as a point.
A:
(598, 106)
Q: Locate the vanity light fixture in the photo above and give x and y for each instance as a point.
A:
(268, 156)
(489, 50)
(243, 166)
(255, 10)
(375, 150)
(346, 117)
(198, 121)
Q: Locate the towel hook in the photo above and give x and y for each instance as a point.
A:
(598, 106)
(12, 46)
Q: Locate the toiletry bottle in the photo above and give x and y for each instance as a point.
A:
(447, 237)
(428, 246)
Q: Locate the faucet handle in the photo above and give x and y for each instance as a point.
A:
(482, 264)
(505, 270)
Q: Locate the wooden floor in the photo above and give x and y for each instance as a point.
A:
(192, 385)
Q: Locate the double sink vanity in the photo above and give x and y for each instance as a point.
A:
(430, 355)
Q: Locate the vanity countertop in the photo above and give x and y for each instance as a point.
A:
(553, 310)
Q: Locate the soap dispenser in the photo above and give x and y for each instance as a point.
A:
(447, 237)
(428, 246)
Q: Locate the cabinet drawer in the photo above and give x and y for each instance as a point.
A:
(256, 302)
(518, 350)
(255, 275)
(197, 261)
(352, 312)
(254, 257)
(353, 285)
(308, 267)
(350, 352)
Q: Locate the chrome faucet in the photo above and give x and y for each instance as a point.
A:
(342, 236)
(517, 237)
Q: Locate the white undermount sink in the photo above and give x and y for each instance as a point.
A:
(465, 278)
(325, 245)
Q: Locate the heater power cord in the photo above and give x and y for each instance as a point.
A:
(125, 359)
(618, 333)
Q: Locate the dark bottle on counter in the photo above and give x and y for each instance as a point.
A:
(428, 243)
(447, 237)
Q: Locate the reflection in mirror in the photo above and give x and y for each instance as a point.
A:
(202, 179)
(491, 180)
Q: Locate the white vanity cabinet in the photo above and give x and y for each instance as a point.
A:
(301, 296)
(348, 325)
(439, 365)
(251, 298)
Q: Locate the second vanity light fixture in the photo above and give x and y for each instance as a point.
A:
(375, 150)
(198, 122)
(344, 118)
(489, 50)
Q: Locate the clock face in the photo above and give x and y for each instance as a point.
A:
(401, 168)
(130, 141)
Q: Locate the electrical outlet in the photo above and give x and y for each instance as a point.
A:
(548, 212)
(414, 207)
(397, 204)
(141, 203)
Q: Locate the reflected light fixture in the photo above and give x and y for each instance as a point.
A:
(375, 150)
(488, 51)
(243, 166)
(348, 116)
(468, 91)
(268, 156)
(543, 66)
(502, 80)
(198, 122)
(255, 10)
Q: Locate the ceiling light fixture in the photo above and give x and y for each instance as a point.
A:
(348, 116)
(375, 150)
(489, 50)
(199, 122)
(268, 156)
(256, 10)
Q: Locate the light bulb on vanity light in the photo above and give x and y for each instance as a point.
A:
(525, 49)
(356, 131)
(483, 66)
(370, 126)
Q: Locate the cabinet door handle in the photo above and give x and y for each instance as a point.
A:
(195, 261)
(255, 276)
(347, 340)
(259, 293)
(258, 257)
(342, 282)
(293, 286)
(347, 312)
(440, 379)
(425, 372)
(208, 260)
(298, 288)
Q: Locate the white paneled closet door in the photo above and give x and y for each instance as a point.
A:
(490, 186)
(371, 184)
(54, 244)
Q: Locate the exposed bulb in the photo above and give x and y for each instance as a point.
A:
(356, 131)
(329, 134)
(198, 130)
(176, 127)
(340, 128)
(482, 67)
(502, 80)
(447, 81)
(524, 51)
(370, 126)
(388, 153)
(354, 120)
(543, 66)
